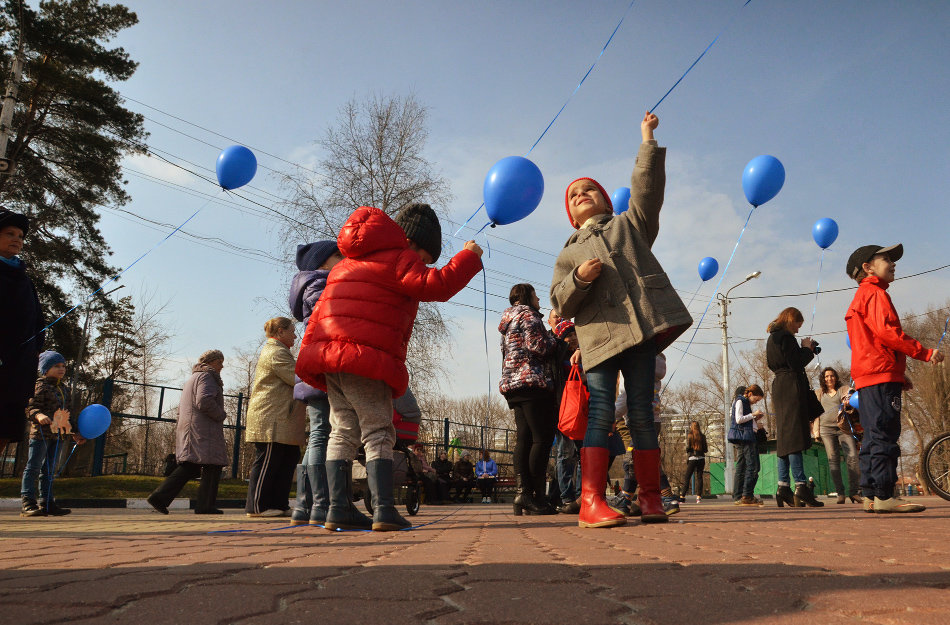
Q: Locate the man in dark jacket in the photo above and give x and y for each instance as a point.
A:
(21, 324)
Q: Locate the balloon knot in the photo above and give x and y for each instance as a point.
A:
(493, 224)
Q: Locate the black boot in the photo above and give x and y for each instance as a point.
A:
(784, 496)
(379, 476)
(321, 493)
(208, 490)
(301, 513)
(805, 497)
(342, 514)
(524, 503)
(31, 509)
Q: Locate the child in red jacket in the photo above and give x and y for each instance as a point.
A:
(356, 340)
(879, 350)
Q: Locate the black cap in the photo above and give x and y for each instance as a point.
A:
(422, 227)
(865, 253)
(311, 256)
(9, 218)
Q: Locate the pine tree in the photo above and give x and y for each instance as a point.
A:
(69, 134)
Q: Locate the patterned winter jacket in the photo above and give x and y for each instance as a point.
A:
(527, 351)
(50, 395)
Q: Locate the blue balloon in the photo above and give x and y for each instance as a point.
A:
(853, 400)
(512, 190)
(94, 420)
(708, 268)
(620, 199)
(762, 179)
(825, 231)
(236, 167)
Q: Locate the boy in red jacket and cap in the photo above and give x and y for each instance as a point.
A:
(356, 340)
(879, 350)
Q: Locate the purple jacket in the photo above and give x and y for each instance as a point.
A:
(305, 290)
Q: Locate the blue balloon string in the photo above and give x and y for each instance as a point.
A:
(814, 309)
(945, 326)
(699, 57)
(698, 289)
(120, 274)
(67, 459)
(711, 298)
(564, 106)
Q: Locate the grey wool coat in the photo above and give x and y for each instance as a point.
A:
(199, 435)
(632, 301)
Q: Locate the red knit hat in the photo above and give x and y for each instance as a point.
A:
(567, 203)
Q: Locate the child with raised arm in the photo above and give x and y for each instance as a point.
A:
(879, 350)
(625, 312)
(356, 340)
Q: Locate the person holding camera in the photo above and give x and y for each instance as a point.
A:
(794, 403)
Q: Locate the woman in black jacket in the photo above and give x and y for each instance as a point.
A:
(21, 323)
(793, 402)
(696, 449)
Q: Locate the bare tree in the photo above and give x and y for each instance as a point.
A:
(373, 156)
(241, 363)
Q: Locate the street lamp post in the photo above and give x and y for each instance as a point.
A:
(726, 393)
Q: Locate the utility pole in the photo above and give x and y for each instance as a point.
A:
(728, 477)
(9, 103)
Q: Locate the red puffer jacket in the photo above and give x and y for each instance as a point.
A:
(363, 320)
(879, 346)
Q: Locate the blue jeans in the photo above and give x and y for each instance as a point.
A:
(40, 462)
(638, 366)
(797, 465)
(318, 411)
(747, 469)
(567, 468)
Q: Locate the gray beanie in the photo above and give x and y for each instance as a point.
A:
(421, 226)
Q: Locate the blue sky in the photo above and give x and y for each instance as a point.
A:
(851, 96)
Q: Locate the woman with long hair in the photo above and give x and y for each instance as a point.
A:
(527, 383)
(792, 405)
(831, 395)
(696, 449)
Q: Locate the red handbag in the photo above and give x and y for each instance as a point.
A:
(572, 419)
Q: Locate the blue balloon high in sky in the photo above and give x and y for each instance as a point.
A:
(708, 268)
(825, 231)
(620, 199)
(94, 420)
(762, 179)
(236, 167)
(512, 190)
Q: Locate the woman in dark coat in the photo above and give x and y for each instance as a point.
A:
(793, 402)
(199, 437)
(21, 322)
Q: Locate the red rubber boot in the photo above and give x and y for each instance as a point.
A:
(594, 509)
(646, 466)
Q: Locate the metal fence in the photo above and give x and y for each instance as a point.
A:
(138, 443)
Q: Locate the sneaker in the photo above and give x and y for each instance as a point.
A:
(52, 509)
(737, 502)
(272, 513)
(698, 499)
(30, 509)
(751, 501)
(869, 504)
(896, 504)
(671, 505)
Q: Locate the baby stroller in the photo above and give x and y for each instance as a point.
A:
(406, 481)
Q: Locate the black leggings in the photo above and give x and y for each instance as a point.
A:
(694, 467)
(536, 421)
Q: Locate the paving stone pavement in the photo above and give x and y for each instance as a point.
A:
(714, 563)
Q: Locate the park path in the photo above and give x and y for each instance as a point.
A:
(714, 563)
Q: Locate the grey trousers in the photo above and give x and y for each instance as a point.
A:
(361, 412)
(834, 443)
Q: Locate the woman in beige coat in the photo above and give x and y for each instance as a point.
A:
(272, 423)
